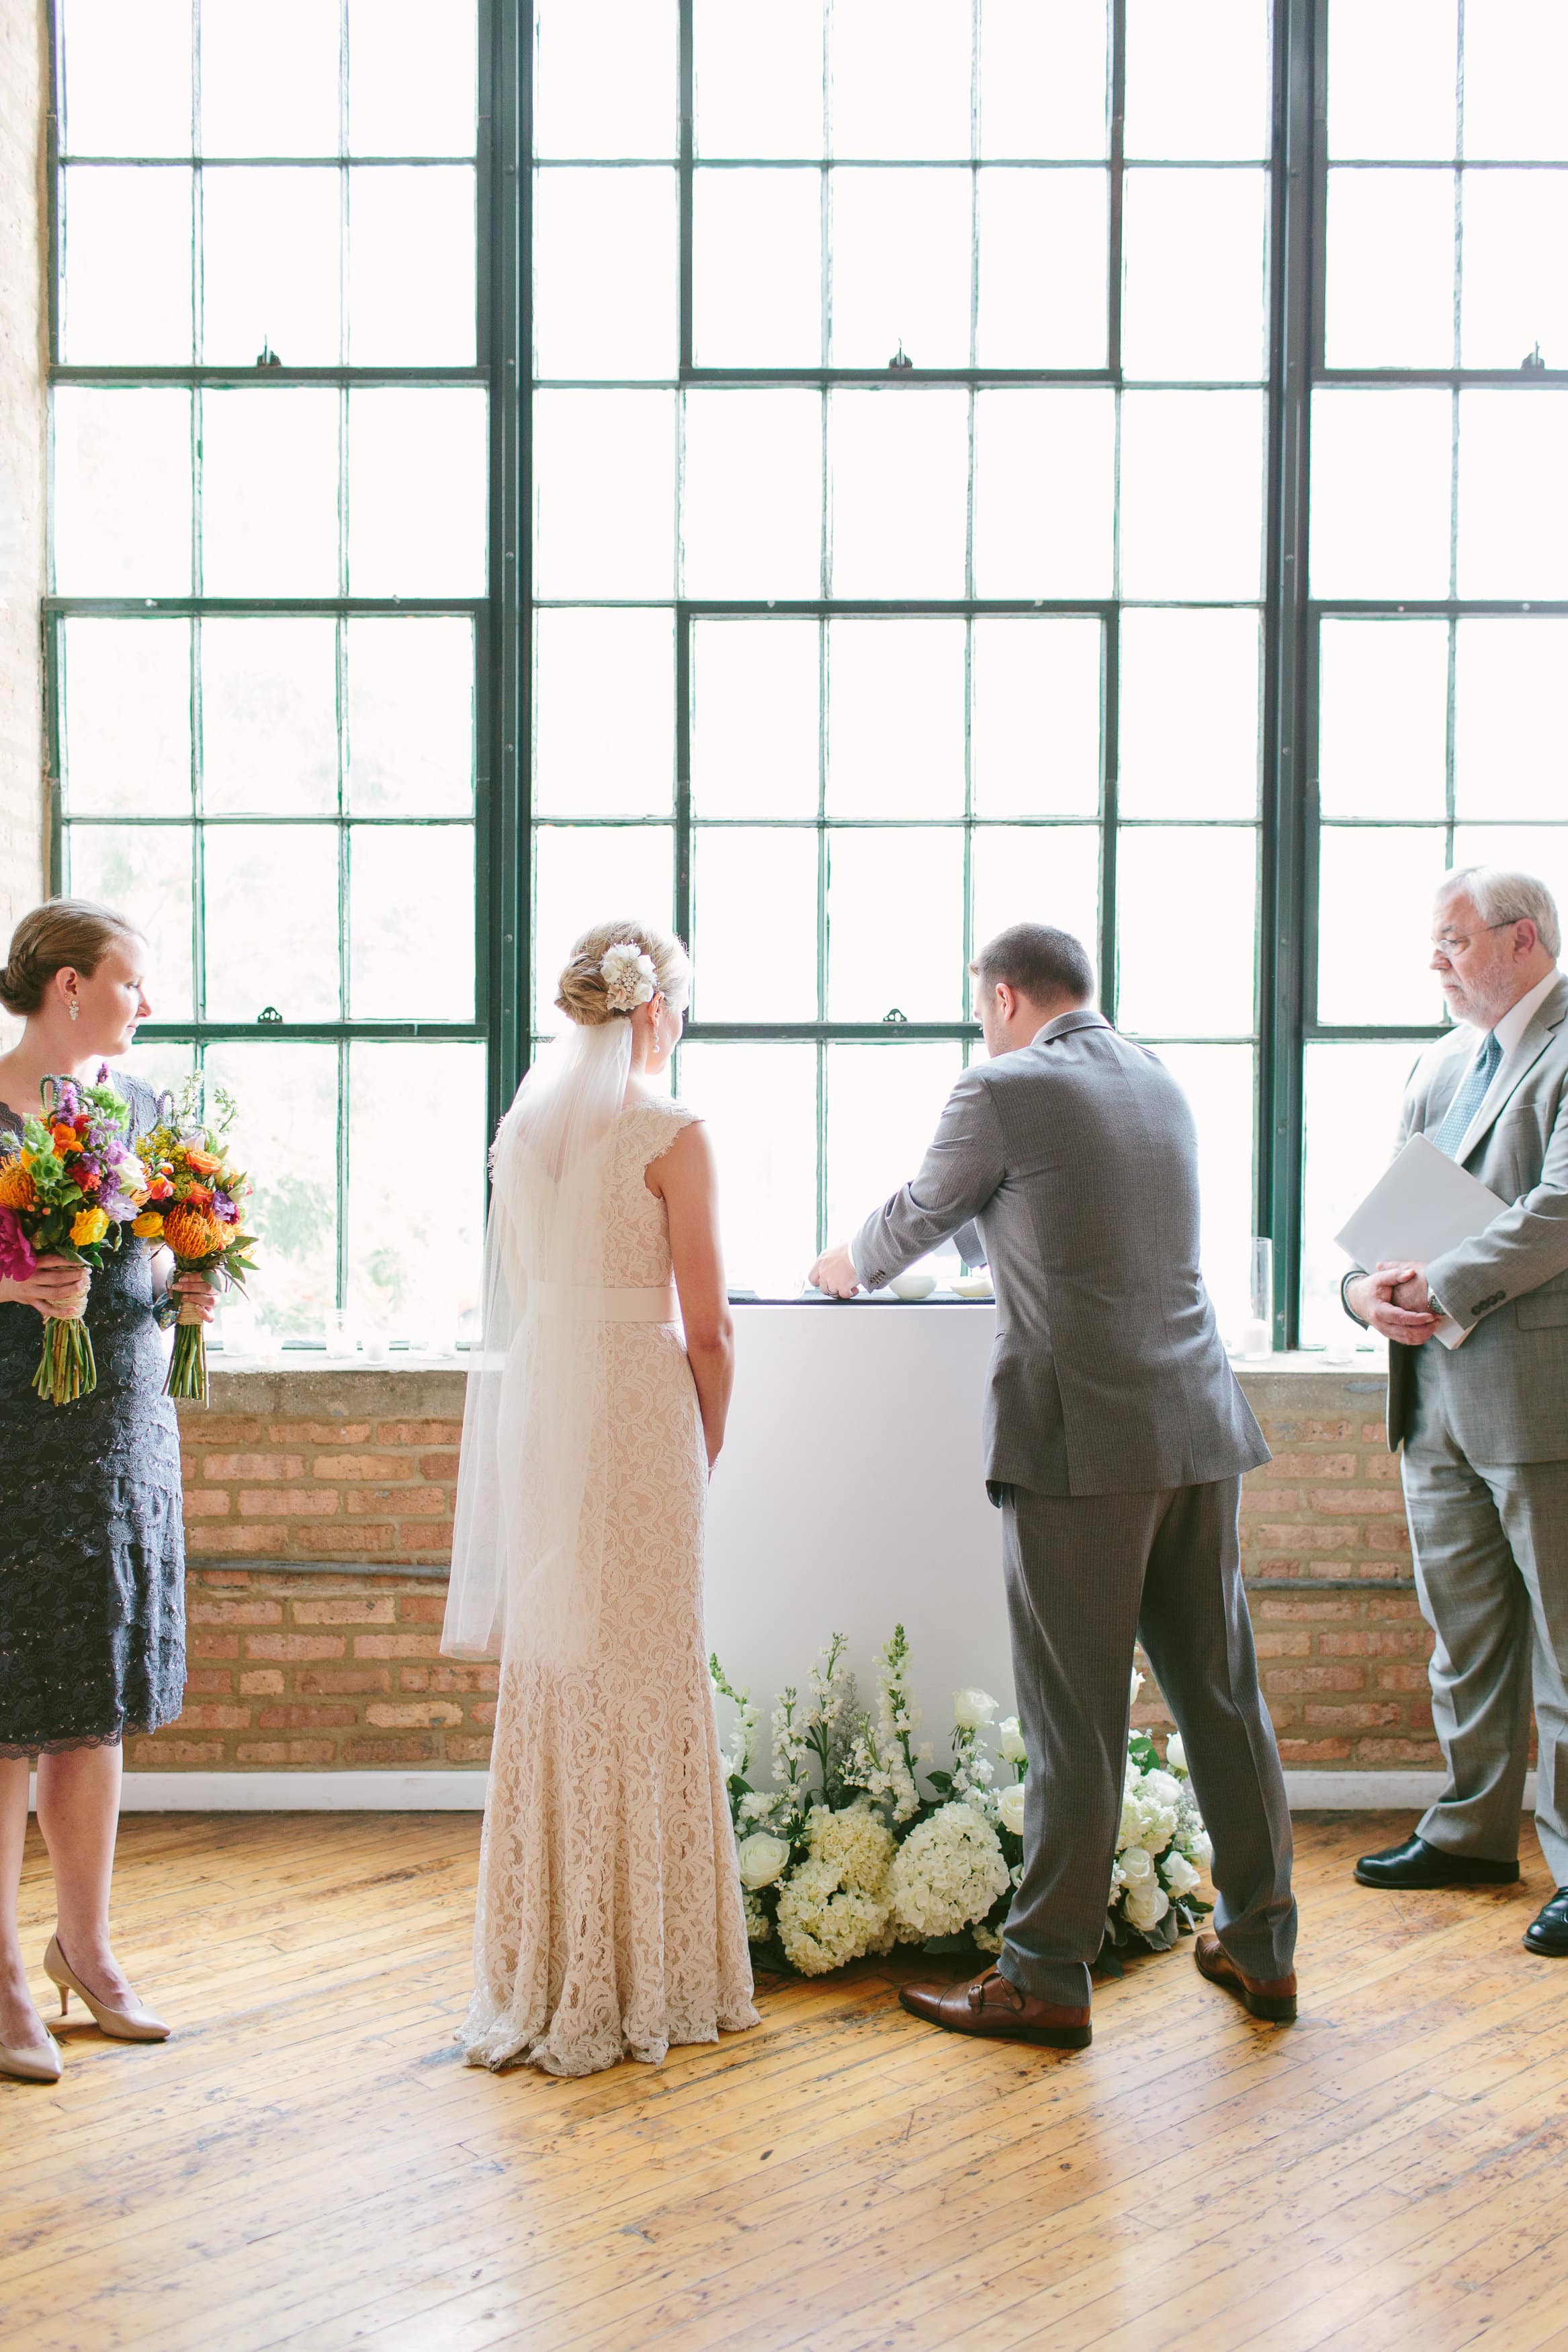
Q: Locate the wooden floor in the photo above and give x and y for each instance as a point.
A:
(307, 2164)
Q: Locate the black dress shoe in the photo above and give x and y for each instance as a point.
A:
(1548, 1931)
(1417, 1863)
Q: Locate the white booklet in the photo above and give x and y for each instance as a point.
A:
(1423, 1204)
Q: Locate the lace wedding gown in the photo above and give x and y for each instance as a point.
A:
(610, 1920)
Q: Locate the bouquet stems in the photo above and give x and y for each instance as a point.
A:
(188, 1363)
(66, 1368)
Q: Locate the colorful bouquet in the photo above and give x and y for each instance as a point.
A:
(844, 1854)
(68, 1191)
(193, 1196)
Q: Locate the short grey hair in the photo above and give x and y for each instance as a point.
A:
(1502, 894)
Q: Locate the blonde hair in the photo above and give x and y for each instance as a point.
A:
(582, 994)
(62, 932)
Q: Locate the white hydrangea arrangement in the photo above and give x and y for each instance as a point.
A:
(846, 1854)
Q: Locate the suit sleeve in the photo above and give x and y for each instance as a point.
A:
(959, 1175)
(1519, 1250)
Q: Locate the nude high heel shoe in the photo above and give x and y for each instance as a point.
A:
(136, 2024)
(32, 2066)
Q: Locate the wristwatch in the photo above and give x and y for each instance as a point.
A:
(1345, 1280)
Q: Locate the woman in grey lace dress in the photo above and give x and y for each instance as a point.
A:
(91, 1548)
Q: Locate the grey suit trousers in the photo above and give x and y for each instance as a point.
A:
(1086, 1575)
(1492, 1572)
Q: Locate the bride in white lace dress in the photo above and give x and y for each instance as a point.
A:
(610, 1921)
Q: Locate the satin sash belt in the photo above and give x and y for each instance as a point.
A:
(623, 1305)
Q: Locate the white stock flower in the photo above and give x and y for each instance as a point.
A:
(1145, 1906)
(1179, 1874)
(1010, 1807)
(762, 1857)
(973, 1710)
(947, 1873)
(1009, 1739)
(1136, 1865)
(628, 976)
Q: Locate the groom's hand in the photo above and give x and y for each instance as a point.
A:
(834, 1272)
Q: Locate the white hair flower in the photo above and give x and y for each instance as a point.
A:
(628, 976)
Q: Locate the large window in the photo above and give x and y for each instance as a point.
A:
(1099, 460)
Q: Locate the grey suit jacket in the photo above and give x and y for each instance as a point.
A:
(1505, 1392)
(1078, 1157)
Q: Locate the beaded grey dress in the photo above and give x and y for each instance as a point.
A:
(92, 1554)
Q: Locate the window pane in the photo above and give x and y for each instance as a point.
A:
(1192, 493)
(895, 719)
(604, 705)
(125, 78)
(1390, 276)
(269, 77)
(1393, 78)
(1195, 270)
(1375, 887)
(898, 473)
(754, 947)
(604, 493)
(126, 716)
(1513, 494)
(1037, 874)
(269, 717)
(605, 77)
(411, 93)
(1381, 470)
(587, 874)
(1219, 1083)
(1198, 79)
(269, 492)
(272, 921)
(410, 717)
(1044, 493)
(606, 285)
(1353, 1092)
(121, 505)
(144, 872)
(287, 1133)
(758, 78)
(900, 81)
(410, 923)
(270, 240)
(1541, 850)
(1163, 989)
(752, 505)
(1516, 267)
(1044, 75)
(1190, 688)
(901, 251)
(884, 1104)
(1034, 718)
(756, 265)
(1511, 719)
(126, 280)
(740, 669)
(418, 491)
(761, 1101)
(411, 266)
(895, 924)
(1383, 701)
(1516, 71)
(1042, 269)
(415, 1255)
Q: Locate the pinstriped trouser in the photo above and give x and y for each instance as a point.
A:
(1086, 1575)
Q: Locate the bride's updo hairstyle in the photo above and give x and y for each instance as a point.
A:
(62, 932)
(585, 995)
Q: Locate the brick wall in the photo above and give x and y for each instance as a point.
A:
(22, 447)
(337, 1663)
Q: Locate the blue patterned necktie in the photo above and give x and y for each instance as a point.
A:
(1468, 1101)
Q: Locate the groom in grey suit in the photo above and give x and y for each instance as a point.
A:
(1115, 1438)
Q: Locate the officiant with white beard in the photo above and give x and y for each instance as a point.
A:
(1115, 1437)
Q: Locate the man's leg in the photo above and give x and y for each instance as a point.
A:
(1074, 1570)
(1533, 1502)
(1477, 1603)
(1196, 1633)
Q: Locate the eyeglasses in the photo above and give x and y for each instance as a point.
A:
(1451, 947)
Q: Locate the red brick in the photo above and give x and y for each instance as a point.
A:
(334, 1467)
(1367, 1500)
(483, 1711)
(397, 1646)
(347, 1609)
(212, 1645)
(1297, 1643)
(1299, 1752)
(1286, 1679)
(159, 1753)
(467, 1751)
(418, 1432)
(234, 1612)
(1373, 1641)
(294, 1502)
(286, 1751)
(1359, 1718)
(260, 1540)
(320, 1432)
(266, 1681)
(205, 1506)
(413, 1715)
(207, 1429)
(405, 1502)
(209, 1682)
(422, 1607)
(379, 1537)
(388, 1752)
(255, 1466)
(1398, 1751)
(1313, 1465)
(1375, 1433)
(1257, 1499)
(1308, 1609)
(285, 1646)
(203, 1717)
(479, 1680)
(439, 1466)
(1402, 1678)
(349, 1681)
(305, 1718)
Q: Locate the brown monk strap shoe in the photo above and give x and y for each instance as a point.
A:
(1273, 1997)
(988, 2004)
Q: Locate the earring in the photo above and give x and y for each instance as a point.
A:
(74, 1008)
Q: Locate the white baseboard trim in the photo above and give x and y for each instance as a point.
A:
(463, 1792)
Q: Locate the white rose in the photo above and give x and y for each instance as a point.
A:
(762, 1859)
(1179, 1874)
(1009, 1739)
(1200, 1850)
(973, 1709)
(1164, 1788)
(1137, 1686)
(1010, 1807)
(1176, 1754)
(1145, 1907)
(1137, 1866)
